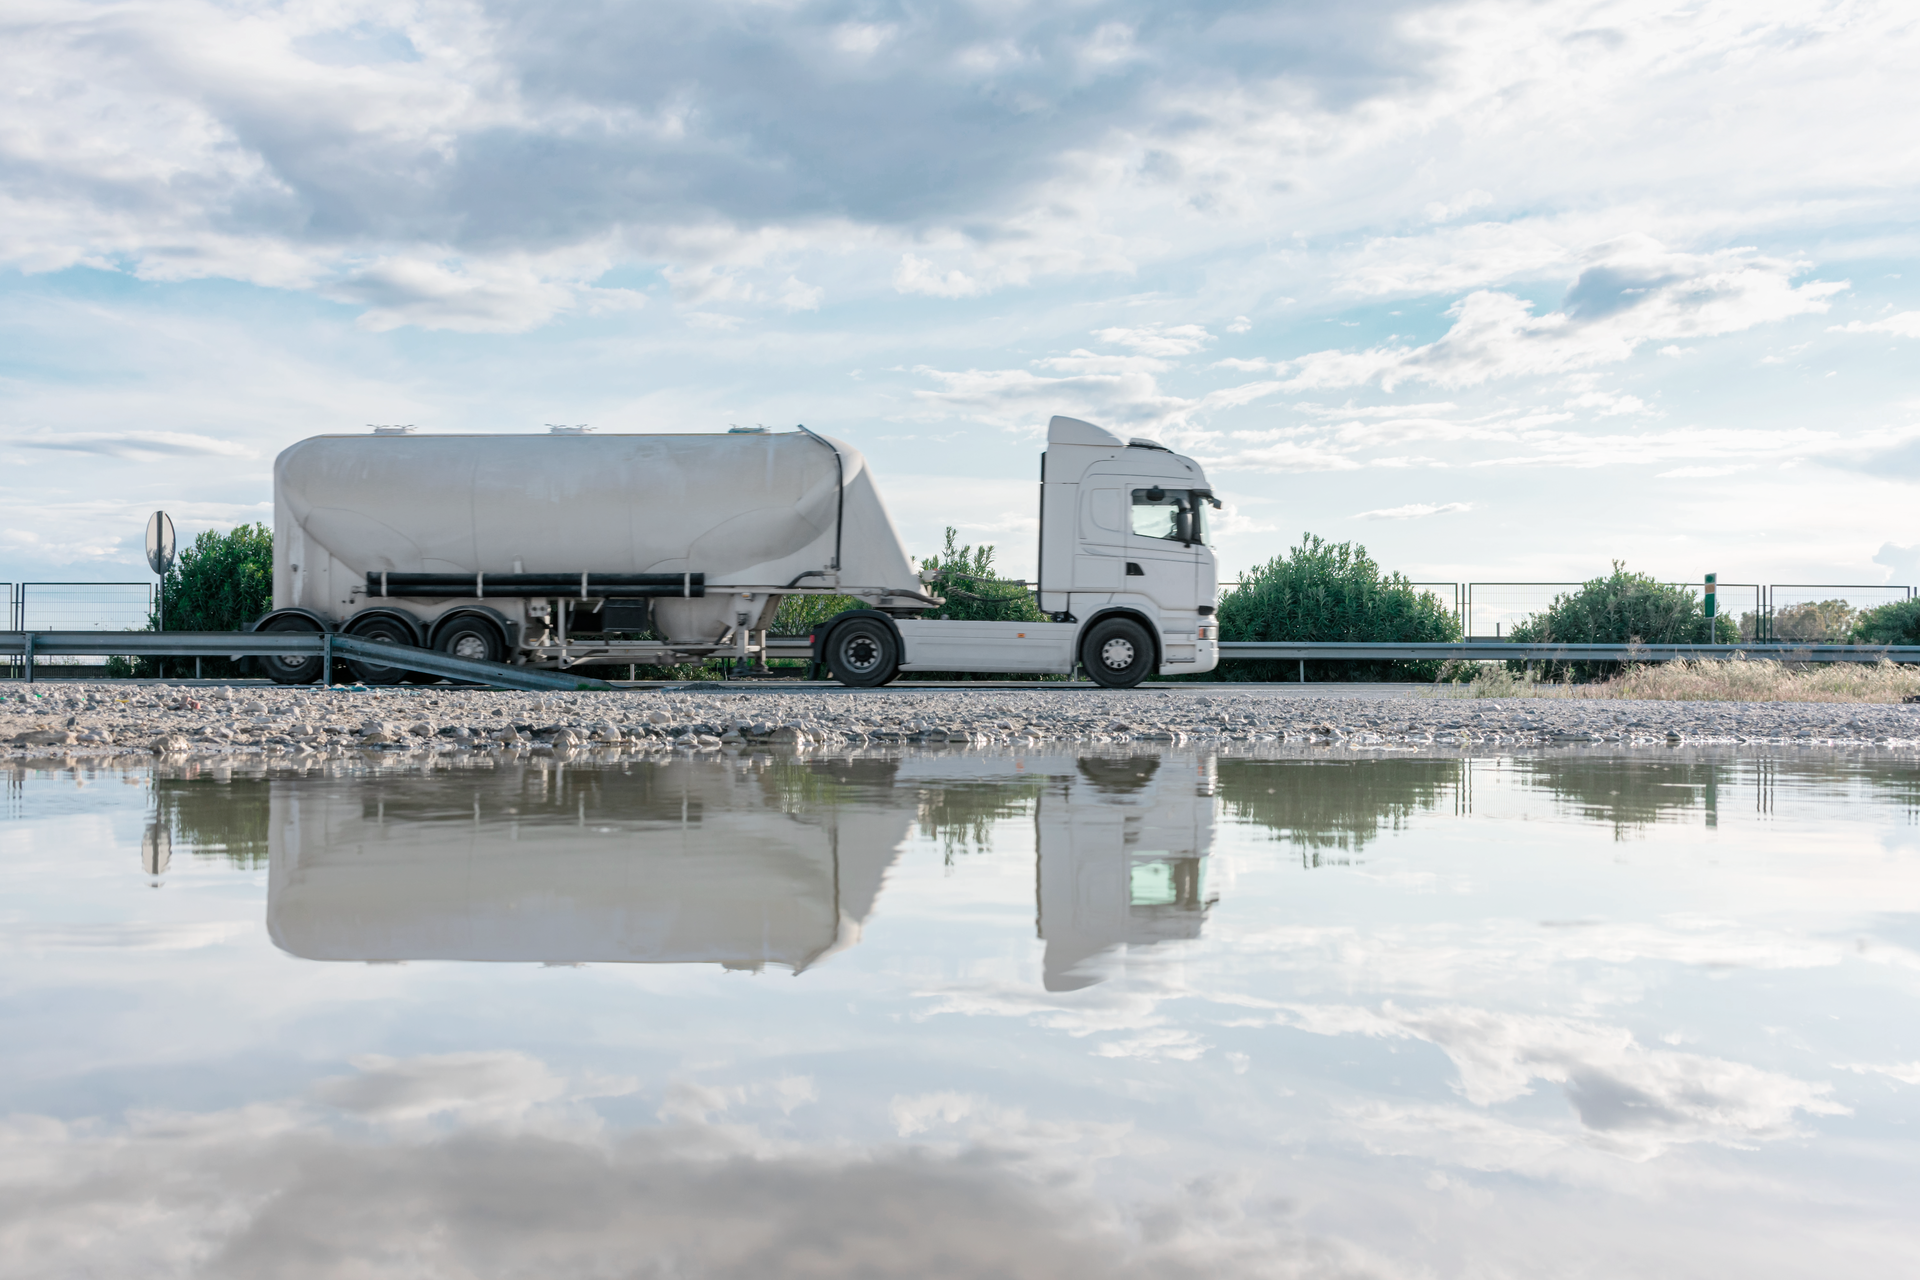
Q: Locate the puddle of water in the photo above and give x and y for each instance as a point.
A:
(965, 1013)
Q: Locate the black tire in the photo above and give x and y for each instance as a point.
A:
(863, 654)
(290, 670)
(381, 631)
(473, 638)
(1117, 653)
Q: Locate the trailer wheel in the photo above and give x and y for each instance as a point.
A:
(1117, 653)
(290, 670)
(863, 654)
(472, 638)
(380, 631)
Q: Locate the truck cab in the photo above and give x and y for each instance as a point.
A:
(1124, 531)
(1127, 580)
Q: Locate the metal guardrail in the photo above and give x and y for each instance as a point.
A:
(27, 645)
(1507, 651)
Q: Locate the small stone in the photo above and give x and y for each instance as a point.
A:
(44, 738)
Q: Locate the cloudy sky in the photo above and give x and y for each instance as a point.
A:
(1501, 289)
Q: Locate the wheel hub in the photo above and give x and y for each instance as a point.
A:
(1117, 653)
(860, 654)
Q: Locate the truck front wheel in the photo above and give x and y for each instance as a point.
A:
(1117, 653)
(862, 653)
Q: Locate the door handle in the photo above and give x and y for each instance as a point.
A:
(1135, 571)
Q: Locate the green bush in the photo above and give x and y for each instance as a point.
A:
(974, 592)
(964, 576)
(1897, 623)
(1322, 590)
(221, 583)
(799, 615)
(1622, 608)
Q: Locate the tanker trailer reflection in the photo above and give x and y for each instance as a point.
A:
(687, 862)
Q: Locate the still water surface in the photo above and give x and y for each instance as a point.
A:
(965, 1014)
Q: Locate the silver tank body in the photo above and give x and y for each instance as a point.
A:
(751, 512)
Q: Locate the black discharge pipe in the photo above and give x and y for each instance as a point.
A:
(577, 586)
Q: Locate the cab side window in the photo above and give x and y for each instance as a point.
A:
(1166, 513)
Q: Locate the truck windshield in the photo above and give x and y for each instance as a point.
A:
(1172, 514)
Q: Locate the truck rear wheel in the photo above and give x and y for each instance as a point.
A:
(862, 653)
(290, 670)
(1117, 653)
(380, 631)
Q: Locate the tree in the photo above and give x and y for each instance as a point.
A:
(1324, 590)
(1622, 608)
(1817, 622)
(223, 582)
(1896, 623)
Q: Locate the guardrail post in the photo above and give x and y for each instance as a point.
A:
(326, 659)
(27, 658)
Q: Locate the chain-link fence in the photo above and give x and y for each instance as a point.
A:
(1819, 613)
(77, 606)
(82, 606)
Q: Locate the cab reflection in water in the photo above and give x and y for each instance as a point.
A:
(1122, 861)
(740, 864)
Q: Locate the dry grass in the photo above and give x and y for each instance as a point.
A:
(1709, 681)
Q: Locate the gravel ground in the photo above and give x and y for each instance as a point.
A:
(96, 719)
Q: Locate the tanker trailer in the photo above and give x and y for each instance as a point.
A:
(567, 550)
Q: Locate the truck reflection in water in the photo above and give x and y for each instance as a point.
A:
(681, 862)
(1122, 861)
(738, 863)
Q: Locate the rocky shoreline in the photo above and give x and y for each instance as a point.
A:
(88, 719)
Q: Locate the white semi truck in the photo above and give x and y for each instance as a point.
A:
(574, 550)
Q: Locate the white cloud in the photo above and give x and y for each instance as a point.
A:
(1159, 340)
(1630, 1100)
(1904, 1072)
(1629, 292)
(491, 1085)
(1415, 510)
(1703, 473)
(1904, 325)
(798, 296)
(484, 297)
(137, 445)
(918, 275)
(1443, 212)
(490, 1163)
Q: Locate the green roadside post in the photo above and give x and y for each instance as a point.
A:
(1712, 580)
